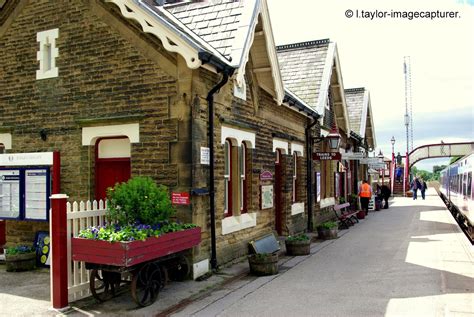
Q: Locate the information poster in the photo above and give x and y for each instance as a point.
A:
(43, 247)
(36, 194)
(10, 193)
(267, 196)
(318, 187)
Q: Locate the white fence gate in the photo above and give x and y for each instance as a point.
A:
(80, 216)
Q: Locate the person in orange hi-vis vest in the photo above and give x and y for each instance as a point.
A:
(365, 193)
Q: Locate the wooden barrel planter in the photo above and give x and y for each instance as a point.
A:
(297, 247)
(263, 263)
(20, 262)
(327, 234)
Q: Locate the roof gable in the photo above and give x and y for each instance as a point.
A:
(309, 69)
(222, 28)
(230, 27)
(302, 67)
(360, 114)
(220, 24)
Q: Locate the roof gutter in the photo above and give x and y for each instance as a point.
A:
(292, 101)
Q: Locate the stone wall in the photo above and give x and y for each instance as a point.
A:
(261, 115)
(106, 77)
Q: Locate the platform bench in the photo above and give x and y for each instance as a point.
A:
(346, 218)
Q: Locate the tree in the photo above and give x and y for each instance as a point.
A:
(437, 170)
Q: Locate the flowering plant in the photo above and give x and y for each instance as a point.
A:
(137, 209)
(20, 249)
(115, 233)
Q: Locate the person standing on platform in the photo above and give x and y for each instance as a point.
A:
(398, 174)
(386, 193)
(365, 193)
(423, 188)
(415, 185)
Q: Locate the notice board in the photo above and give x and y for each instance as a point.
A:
(24, 193)
(10, 193)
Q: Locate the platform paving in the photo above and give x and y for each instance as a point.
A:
(409, 260)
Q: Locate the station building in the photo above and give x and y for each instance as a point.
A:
(125, 88)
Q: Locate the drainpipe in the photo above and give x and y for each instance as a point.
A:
(226, 72)
(309, 172)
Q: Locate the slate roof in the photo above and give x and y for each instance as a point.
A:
(302, 66)
(355, 106)
(217, 22)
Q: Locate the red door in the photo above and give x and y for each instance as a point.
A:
(278, 192)
(108, 173)
(112, 164)
(2, 235)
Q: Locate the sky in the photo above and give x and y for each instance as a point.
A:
(372, 51)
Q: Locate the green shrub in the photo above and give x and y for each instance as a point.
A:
(139, 200)
(299, 237)
(328, 225)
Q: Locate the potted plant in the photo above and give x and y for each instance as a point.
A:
(263, 263)
(327, 230)
(353, 200)
(140, 228)
(20, 258)
(298, 244)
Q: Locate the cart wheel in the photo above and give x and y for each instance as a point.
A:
(146, 284)
(103, 284)
(164, 276)
(180, 269)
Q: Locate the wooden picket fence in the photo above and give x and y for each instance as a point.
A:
(80, 216)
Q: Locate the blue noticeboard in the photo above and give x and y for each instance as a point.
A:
(24, 193)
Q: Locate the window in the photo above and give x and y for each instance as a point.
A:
(47, 54)
(243, 178)
(227, 178)
(235, 178)
(469, 185)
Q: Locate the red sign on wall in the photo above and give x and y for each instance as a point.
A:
(180, 198)
(327, 156)
(266, 176)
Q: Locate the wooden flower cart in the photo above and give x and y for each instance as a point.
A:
(149, 263)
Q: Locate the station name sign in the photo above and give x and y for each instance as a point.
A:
(353, 156)
(22, 159)
(326, 156)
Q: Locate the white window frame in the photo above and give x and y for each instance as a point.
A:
(295, 175)
(47, 54)
(227, 173)
(243, 171)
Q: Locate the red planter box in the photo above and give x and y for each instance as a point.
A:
(133, 252)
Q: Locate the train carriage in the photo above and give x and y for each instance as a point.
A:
(457, 190)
